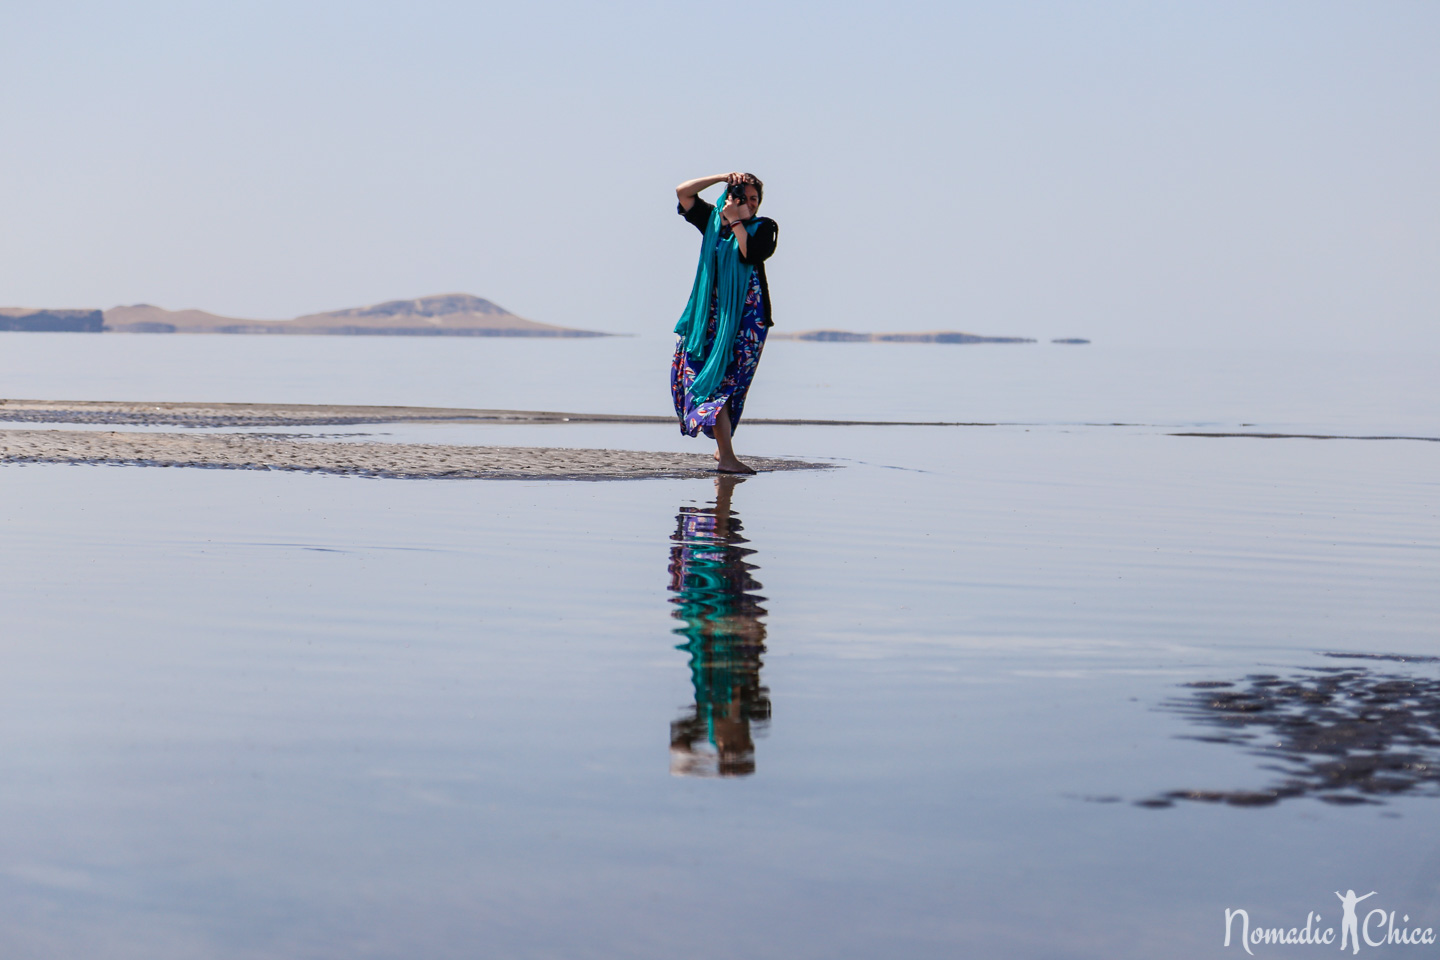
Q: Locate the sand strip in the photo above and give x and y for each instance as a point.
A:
(230, 451)
(215, 415)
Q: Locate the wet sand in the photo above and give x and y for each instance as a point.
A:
(228, 451)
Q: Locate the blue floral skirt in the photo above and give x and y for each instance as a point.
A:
(749, 341)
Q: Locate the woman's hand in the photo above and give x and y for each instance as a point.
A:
(735, 206)
(734, 216)
(735, 210)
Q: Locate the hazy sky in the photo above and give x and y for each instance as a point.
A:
(1147, 171)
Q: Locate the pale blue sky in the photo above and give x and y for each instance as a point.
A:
(1138, 172)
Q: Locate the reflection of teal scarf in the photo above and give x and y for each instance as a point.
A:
(720, 272)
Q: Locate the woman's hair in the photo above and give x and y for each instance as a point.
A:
(749, 179)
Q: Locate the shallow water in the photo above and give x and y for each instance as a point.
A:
(1388, 390)
(265, 715)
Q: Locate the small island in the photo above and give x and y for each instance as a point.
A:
(51, 321)
(444, 315)
(935, 336)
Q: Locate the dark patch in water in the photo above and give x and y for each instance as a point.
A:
(1302, 436)
(1397, 657)
(1344, 736)
(1092, 798)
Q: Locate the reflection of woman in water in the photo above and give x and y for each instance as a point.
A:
(725, 637)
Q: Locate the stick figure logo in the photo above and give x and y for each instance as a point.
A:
(1349, 925)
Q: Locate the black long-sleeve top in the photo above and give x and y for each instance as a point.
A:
(758, 247)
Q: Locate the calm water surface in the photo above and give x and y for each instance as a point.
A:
(911, 707)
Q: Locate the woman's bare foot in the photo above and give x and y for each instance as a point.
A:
(725, 459)
(731, 465)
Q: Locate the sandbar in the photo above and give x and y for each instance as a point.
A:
(212, 415)
(233, 451)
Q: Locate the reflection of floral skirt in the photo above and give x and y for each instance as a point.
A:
(749, 341)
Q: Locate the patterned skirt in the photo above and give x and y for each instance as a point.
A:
(749, 341)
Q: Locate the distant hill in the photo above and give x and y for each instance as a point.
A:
(144, 318)
(936, 336)
(455, 314)
(451, 314)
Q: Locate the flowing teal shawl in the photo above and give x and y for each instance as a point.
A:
(720, 272)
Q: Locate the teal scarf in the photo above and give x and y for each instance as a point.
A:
(720, 272)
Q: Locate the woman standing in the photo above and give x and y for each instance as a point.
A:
(722, 330)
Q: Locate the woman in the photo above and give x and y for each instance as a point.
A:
(723, 328)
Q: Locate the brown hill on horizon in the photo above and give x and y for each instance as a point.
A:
(147, 318)
(451, 314)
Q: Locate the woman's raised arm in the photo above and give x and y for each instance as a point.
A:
(688, 190)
